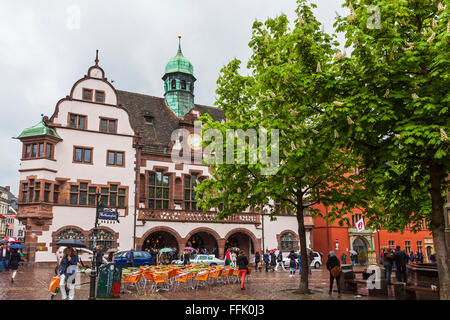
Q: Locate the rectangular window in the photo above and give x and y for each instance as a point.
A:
(47, 192)
(48, 152)
(74, 195)
(121, 199)
(391, 243)
(408, 246)
(83, 193)
(158, 191)
(419, 246)
(55, 193)
(99, 96)
(82, 155)
(27, 150)
(92, 196)
(41, 150)
(77, 121)
(108, 125)
(190, 201)
(87, 94)
(34, 151)
(113, 195)
(104, 196)
(24, 192)
(37, 192)
(115, 158)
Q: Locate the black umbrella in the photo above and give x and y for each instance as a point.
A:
(71, 243)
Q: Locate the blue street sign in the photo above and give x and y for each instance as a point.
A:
(108, 215)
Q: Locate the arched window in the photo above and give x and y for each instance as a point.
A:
(288, 241)
(70, 233)
(174, 84)
(183, 84)
(104, 238)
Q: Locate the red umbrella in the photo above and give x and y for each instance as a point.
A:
(273, 250)
(10, 239)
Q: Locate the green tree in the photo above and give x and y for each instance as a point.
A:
(394, 112)
(290, 80)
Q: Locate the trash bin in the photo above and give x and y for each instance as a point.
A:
(347, 276)
(109, 280)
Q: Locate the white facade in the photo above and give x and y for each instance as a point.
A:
(57, 207)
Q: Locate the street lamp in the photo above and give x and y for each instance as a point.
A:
(93, 275)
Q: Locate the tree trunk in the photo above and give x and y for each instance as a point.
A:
(304, 281)
(438, 231)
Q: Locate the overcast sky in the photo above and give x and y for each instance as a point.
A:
(43, 50)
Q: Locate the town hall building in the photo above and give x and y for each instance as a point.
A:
(119, 144)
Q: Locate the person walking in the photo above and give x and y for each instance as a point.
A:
(266, 259)
(279, 261)
(98, 257)
(130, 258)
(67, 273)
(353, 258)
(388, 258)
(228, 257)
(292, 264)
(344, 258)
(186, 257)
(273, 261)
(233, 259)
(401, 258)
(257, 260)
(242, 263)
(14, 260)
(4, 258)
(334, 267)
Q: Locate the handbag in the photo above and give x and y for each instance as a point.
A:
(336, 271)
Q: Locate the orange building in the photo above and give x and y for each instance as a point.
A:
(341, 240)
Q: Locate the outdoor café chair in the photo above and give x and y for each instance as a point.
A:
(182, 278)
(201, 277)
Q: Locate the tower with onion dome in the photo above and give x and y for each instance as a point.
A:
(179, 83)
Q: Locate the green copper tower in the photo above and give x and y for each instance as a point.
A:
(179, 83)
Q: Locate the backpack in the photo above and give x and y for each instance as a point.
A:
(389, 255)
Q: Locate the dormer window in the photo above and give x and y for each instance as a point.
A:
(174, 84)
(87, 94)
(183, 84)
(148, 119)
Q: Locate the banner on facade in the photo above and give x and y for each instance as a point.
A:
(360, 225)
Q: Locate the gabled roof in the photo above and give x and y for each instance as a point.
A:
(157, 136)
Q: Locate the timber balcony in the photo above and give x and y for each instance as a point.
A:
(195, 216)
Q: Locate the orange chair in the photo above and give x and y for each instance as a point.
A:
(133, 280)
(160, 280)
(201, 277)
(214, 275)
(181, 279)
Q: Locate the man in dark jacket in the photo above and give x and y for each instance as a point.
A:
(98, 257)
(4, 257)
(401, 258)
(333, 262)
(273, 260)
(266, 259)
(388, 258)
(242, 263)
(257, 260)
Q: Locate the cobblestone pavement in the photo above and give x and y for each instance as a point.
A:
(32, 283)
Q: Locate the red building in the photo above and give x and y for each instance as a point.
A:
(343, 239)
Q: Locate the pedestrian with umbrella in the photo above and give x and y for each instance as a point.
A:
(279, 260)
(266, 259)
(67, 272)
(15, 258)
(185, 257)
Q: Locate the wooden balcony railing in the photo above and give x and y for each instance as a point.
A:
(195, 216)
